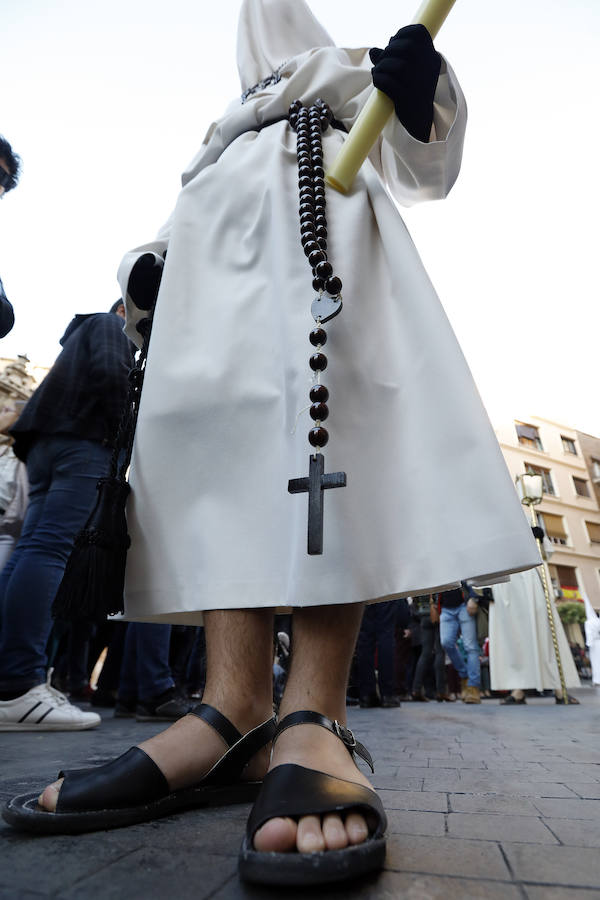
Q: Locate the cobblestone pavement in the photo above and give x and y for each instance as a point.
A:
(501, 803)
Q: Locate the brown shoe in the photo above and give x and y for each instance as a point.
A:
(472, 694)
(463, 687)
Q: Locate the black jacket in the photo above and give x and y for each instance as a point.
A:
(7, 316)
(84, 392)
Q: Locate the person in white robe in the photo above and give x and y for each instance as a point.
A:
(214, 531)
(522, 655)
(592, 639)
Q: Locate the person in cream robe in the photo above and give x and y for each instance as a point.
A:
(214, 531)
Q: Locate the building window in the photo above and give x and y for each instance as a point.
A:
(593, 531)
(554, 527)
(581, 487)
(547, 483)
(528, 436)
(595, 468)
(568, 445)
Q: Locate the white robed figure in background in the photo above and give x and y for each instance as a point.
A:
(522, 655)
(214, 532)
(592, 639)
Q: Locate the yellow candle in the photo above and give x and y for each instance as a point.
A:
(378, 109)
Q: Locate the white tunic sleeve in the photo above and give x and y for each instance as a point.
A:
(414, 171)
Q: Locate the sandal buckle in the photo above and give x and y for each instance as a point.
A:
(345, 734)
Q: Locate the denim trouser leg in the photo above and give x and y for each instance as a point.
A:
(426, 655)
(468, 629)
(63, 472)
(385, 616)
(449, 628)
(439, 662)
(365, 654)
(146, 655)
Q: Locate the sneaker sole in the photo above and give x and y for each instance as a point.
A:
(24, 726)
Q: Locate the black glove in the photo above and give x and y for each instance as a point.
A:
(407, 71)
(538, 532)
(144, 281)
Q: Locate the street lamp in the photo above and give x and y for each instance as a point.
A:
(530, 489)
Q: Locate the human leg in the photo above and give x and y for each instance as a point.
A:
(365, 659)
(238, 685)
(63, 473)
(424, 659)
(468, 629)
(439, 667)
(386, 639)
(324, 638)
(449, 626)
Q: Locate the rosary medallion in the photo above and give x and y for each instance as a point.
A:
(308, 124)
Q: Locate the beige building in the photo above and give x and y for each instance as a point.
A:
(570, 510)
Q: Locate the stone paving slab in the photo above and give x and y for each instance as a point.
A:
(483, 805)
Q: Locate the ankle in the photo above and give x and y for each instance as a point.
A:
(244, 713)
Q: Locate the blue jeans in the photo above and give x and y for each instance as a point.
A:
(451, 622)
(145, 672)
(63, 471)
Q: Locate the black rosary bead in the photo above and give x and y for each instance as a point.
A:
(333, 285)
(319, 393)
(306, 207)
(307, 217)
(318, 437)
(296, 105)
(318, 362)
(320, 220)
(318, 337)
(305, 181)
(321, 232)
(319, 412)
(310, 247)
(316, 258)
(324, 270)
(318, 285)
(319, 173)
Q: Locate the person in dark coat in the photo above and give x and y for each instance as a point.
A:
(10, 165)
(64, 435)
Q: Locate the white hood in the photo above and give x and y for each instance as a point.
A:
(270, 32)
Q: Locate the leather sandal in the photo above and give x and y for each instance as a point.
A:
(293, 791)
(132, 788)
(512, 701)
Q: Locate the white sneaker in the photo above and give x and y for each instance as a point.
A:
(43, 708)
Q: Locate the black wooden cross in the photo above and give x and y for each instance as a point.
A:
(315, 484)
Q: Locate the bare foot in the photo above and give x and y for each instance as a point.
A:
(315, 748)
(186, 751)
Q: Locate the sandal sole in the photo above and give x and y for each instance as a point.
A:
(302, 869)
(24, 814)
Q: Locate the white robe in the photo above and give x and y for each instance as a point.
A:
(429, 500)
(522, 653)
(592, 639)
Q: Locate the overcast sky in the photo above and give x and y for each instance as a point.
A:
(106, 103)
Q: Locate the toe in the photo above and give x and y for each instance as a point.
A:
(334, 832)
(276, 836)
(356, 828)
(310, 835)
(49, 796)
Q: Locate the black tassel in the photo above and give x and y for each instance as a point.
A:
(92, 586)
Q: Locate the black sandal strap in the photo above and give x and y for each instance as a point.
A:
(130, 779)
(309, 717)
(230, 767)
(294, 791)
(218, 721)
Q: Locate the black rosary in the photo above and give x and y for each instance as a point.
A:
(308, 123)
